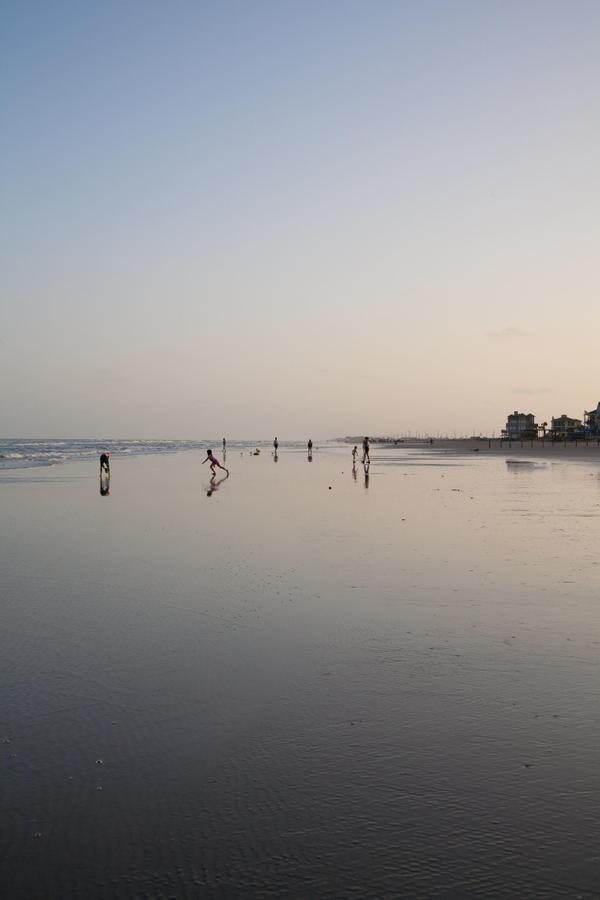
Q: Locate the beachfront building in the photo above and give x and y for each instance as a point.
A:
(591, 422)
(563, 427)
(519, 426)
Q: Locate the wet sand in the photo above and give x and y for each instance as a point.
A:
(383, 689)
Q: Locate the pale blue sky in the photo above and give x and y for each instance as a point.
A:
(297, 218)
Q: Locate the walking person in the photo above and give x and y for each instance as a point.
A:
(309, 445)
(105, 462)
(276, 445)
(354, 454)
(365, 446)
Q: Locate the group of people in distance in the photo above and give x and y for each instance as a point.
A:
(215, 464)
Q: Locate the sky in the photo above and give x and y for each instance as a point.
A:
(300, 218)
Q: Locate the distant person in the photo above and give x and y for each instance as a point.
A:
(276, 444)
(309, 445)
(224, 445)
(105, 462)
(365, 446)
(354, 454)
(213, 462)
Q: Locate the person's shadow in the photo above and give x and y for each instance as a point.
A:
(214, 484)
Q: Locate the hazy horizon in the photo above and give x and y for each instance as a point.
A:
(287, 218)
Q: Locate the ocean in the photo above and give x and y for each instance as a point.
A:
(22, 453)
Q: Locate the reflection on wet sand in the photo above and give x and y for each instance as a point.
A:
(104, 484)
(419, 662)
(214, 485)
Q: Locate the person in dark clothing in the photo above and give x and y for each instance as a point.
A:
(105, 462)
(366, 457)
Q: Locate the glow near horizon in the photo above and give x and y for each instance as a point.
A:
(298, 219)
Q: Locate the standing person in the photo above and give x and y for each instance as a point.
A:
(354, 454)
(276, 444)
(366, 457)
(105, 462)
(213, 462)
(309, 445)
(224, 445)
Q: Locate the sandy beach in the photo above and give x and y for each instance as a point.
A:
(312, 683)
(547, 450)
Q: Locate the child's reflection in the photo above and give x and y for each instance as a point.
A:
(214, 484)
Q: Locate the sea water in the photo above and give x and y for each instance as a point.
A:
(19, 453)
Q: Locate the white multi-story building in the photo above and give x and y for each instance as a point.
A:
(520, 424)
(564, 426)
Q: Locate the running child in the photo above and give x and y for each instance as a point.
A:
(213, 462)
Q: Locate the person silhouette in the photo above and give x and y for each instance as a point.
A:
(365, 446)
